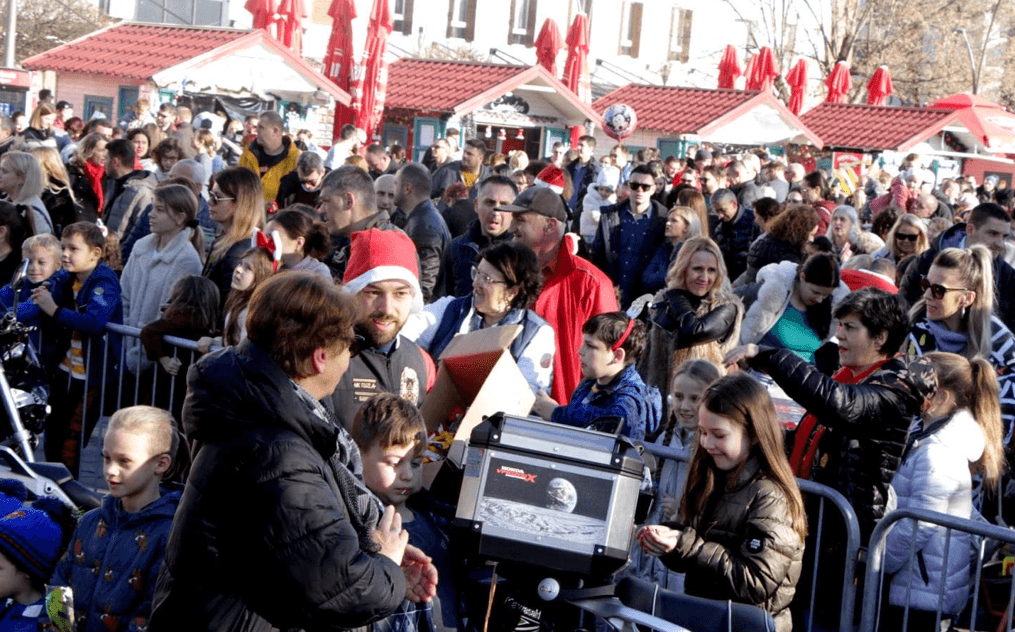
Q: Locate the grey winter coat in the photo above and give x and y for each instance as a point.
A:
(935, 477)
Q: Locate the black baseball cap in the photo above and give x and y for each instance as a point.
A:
(538, 199)
(63, 104)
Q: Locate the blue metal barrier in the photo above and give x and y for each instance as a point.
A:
(825, 495)
(875, 565)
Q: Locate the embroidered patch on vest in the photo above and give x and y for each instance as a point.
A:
(408, 388)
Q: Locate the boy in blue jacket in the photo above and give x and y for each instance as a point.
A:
(611, 345)
(43, 254)
(117, 549)
(79, 301)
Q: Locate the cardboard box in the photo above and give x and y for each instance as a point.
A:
(477, 373)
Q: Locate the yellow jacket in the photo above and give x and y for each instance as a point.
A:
(270, 176)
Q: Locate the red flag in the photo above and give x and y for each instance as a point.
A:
(729, 68)
(370, 82)
(879, 88)
(797, 80)
(576, 68)
(339, 59)
(839, 83)
(548, 44)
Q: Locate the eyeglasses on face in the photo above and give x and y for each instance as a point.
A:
(485, 278)
(937, 290)
(640, 186)
(904, 237)
(215, 198)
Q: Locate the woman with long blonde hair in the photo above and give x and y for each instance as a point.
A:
(695, 316)
(908, 236)
(236, 204)
(57, 195)
(956, 314)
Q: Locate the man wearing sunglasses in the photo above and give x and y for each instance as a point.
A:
(303, 185)
(988, 225)
(629, 234)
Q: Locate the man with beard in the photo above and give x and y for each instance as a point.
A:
(383, 274)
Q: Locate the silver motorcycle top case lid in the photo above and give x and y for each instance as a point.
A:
(549, 495)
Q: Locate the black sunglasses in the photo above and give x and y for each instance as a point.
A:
(937, 290)
(903, 237)
(640, 186)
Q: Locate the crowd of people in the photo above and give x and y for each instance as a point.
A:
(276, 481)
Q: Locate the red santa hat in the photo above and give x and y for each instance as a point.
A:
(553, 177)
(382, 255)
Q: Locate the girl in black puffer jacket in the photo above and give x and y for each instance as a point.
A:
(742, 523)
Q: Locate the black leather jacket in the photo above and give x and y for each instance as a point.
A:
(264, 537)
(868, 423)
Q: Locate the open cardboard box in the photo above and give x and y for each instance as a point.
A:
(476, 372)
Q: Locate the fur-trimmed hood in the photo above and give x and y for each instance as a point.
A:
(774, 286)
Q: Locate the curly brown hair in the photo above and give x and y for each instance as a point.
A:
(795, 224)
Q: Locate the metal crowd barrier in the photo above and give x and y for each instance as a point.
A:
(121, 387)
(825, 495)
(875, 566)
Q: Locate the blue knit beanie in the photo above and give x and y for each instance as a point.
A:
(12, 495)
(32, 541)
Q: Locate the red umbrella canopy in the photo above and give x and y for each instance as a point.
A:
(797, 80)
(839, 83)
(989, 122)
(291, 14)
(262, 10)
(372, 83)
(879, 88)
(548, 44)
(762, 74)
(729, 68)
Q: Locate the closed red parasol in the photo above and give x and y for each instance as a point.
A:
(290, 29)
(797, 80)
(548, 44)
(576, 68)
(339, 59)
(762, 74)
(263, 12)
(371, 82)
(839, 83)
(729, 68)
(879, 88)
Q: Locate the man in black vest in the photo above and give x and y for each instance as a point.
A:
(383, 273)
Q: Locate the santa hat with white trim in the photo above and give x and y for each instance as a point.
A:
(377, 255)
(552, 177)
